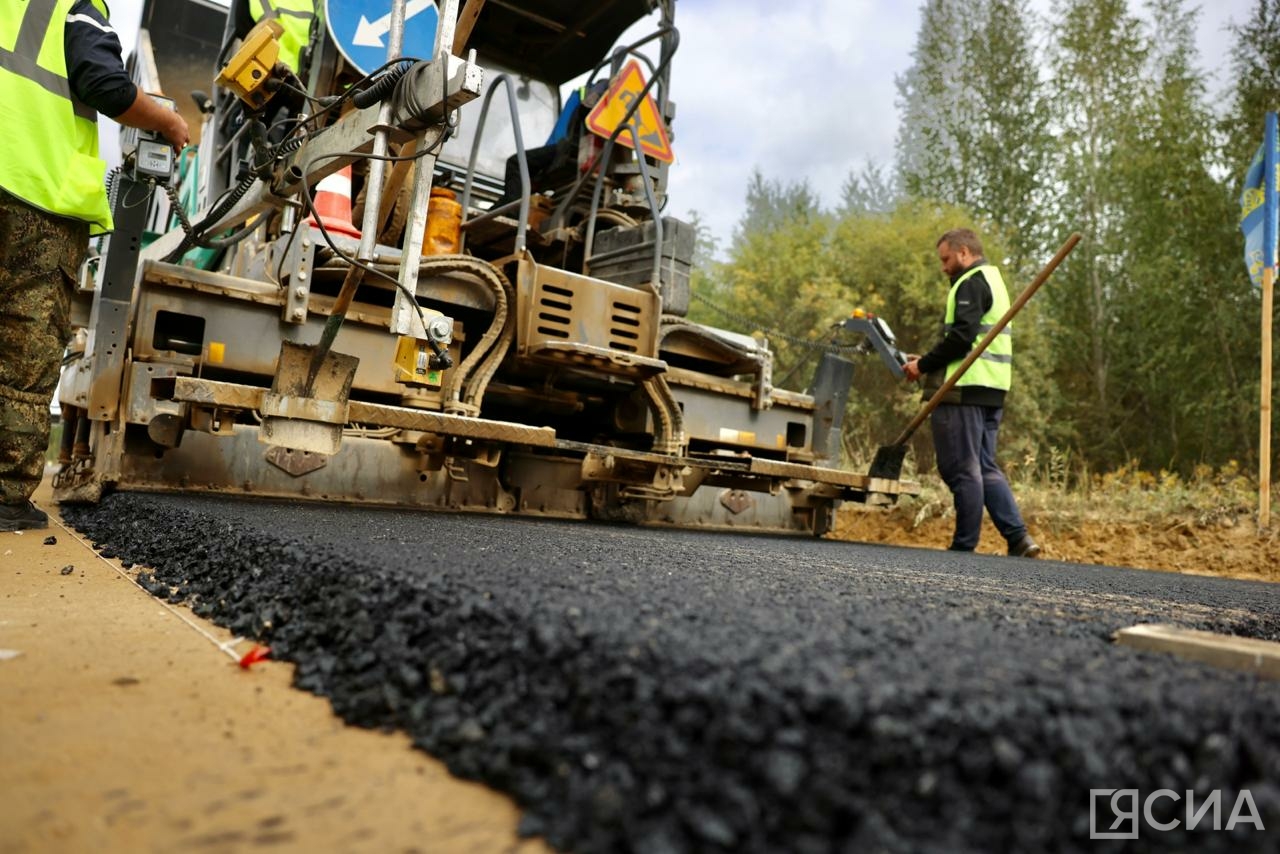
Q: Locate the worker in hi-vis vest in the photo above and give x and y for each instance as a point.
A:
(60, 65)
(296, 17)
(966, 423)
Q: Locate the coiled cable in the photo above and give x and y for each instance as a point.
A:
(382, 86)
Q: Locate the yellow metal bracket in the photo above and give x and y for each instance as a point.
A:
(250, 68)
(413, 363)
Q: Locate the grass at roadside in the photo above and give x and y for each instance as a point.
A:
(1205, 523)
(1131, 494)
(1128, 494)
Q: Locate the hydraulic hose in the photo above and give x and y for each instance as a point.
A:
(195, 232)
(464, 393)
(382, 87)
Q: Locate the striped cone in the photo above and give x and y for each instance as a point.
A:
(332, 204)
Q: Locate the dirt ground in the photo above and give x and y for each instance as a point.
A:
(125, 727)
(1225, 545)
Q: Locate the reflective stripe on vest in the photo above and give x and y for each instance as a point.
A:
(295, 16)
(49, 142)
(994, 368)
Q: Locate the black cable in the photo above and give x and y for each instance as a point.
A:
(309, 208)
(231, 239)
(354, 88)
(175, 202)
(800, 363)
(286, 83)
(776, 334)
(194, 233)
(288, 246)
(305, 188)
(383, 86)
(414, 108)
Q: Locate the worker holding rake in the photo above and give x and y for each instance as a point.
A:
(967, 420)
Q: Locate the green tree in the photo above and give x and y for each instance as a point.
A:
(935, 108)
(1013, 144)
(771, 205)
(705, 244)
(748, 288)
(1181, 303)
(703, 281)
(1097, 85)
(974, 124)
(1255, 59)
(780, 283)
(868, 191)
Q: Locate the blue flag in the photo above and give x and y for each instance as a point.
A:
(1258, 205)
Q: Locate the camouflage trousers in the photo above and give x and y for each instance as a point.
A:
(40, 255)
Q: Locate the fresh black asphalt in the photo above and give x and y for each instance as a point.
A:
(667, 691)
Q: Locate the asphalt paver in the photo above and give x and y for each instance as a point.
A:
(668, 691)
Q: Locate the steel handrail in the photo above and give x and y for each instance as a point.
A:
(607, 152)
(522, 159)
(557, 216)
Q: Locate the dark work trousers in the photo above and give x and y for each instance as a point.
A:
(964, 438)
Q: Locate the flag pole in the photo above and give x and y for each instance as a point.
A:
(1271, 213)
(1264, 439)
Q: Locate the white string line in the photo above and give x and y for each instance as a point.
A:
(225, 646)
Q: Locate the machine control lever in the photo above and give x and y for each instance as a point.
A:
(879, 337)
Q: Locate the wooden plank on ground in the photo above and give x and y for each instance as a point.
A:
(1235, 653)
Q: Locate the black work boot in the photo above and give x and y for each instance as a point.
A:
(1025, 547)
(18, 517)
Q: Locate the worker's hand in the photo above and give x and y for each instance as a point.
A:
(175, 131)
(912, 370)
(147, 113)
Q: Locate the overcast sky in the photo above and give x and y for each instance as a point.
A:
(800, 90)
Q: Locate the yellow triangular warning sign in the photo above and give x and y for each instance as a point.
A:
(650, 129)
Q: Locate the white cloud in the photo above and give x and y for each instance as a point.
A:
(809, 94)
(800, 96)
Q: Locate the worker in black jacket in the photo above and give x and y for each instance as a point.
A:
(966, 423)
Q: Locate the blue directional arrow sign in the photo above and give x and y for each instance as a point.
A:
(362, 28)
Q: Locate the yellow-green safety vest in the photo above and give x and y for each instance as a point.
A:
(296, 16)
(994, 368)
(49, 142)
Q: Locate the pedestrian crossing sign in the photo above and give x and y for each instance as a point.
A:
(605, 117)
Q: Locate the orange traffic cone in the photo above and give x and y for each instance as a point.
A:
(332, 204)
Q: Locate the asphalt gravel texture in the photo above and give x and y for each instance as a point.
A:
(667, 691)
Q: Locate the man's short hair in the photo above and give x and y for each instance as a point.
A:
(962, 237)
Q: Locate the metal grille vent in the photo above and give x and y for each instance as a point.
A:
(555, 309)
(624, 327)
